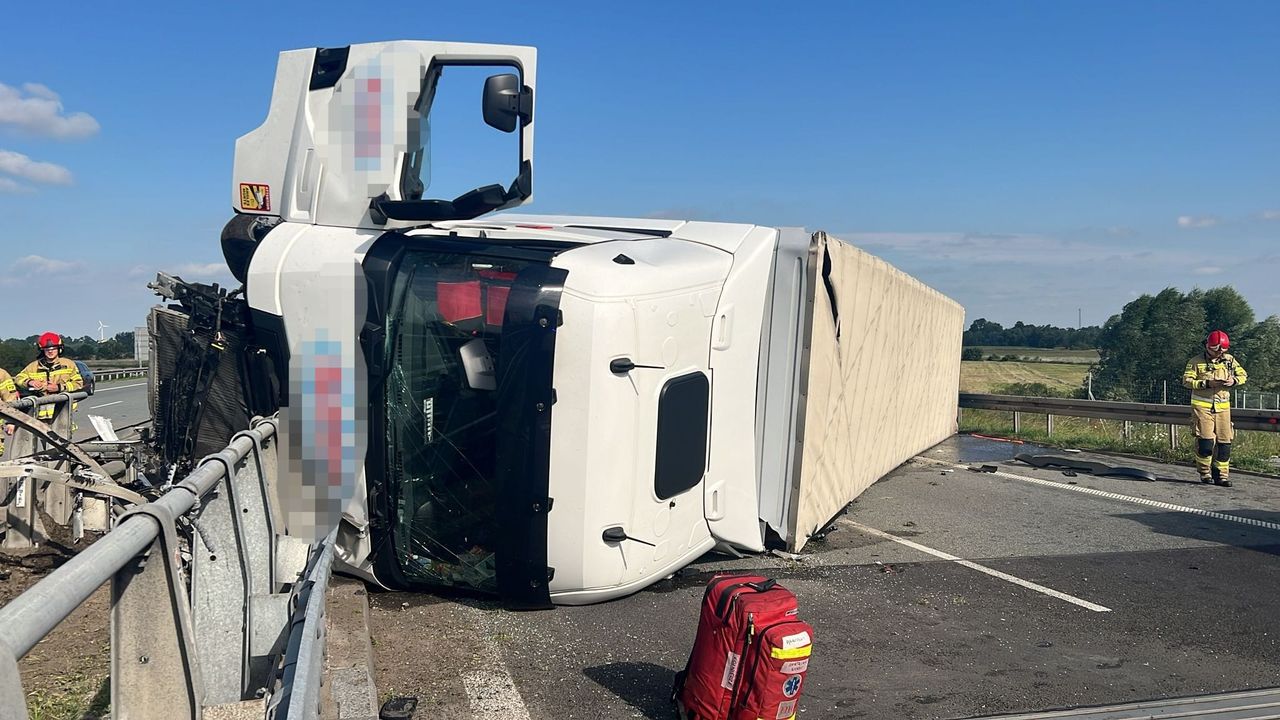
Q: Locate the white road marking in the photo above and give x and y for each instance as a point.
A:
(491, 692)
(1117, 496)
(493, 695)
(980, 568)
(95, 407)
(119, 387)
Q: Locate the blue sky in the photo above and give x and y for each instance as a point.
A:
(1027, 159)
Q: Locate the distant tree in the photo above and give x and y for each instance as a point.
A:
(1147, 344)
(1258, 349)
(971, 353)
(985, 332)
(1225, 309)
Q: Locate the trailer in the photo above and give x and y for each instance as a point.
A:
(555, 409)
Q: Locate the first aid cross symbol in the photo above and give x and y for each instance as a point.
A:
(791, 686)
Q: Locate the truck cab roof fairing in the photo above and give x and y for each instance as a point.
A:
(341, 144)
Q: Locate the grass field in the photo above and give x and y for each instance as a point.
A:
(1086, 357)
(1250, 451)
(983, 376)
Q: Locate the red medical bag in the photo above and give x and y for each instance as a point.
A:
(750, 656)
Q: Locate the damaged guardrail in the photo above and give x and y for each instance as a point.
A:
(208, 600)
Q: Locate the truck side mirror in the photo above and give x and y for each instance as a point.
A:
(506, 102)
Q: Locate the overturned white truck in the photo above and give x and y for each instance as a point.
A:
(554, 409)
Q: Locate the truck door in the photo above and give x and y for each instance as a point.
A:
(673, 425)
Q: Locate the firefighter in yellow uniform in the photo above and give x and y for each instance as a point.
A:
(1208, 376)
(8, 393)
(49, 373)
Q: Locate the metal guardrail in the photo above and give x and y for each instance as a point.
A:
(119, 374)
(248, 627)
(1262, 420)
(27, 403)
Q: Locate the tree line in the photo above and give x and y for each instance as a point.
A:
(986, 332)
(1152, 338)
(1143, 350)
(15, 353)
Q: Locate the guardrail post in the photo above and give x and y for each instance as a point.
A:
(1127, 430)
(1017, 422)
(24, 528)
(154, 671)
(1173, 437)
(56, 497)
(13, 699)
(1048, 425)
(220, 608)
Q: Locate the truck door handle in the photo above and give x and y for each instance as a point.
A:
(617, 534)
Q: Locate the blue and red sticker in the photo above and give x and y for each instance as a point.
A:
(792, 686)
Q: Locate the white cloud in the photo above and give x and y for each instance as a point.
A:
(200, 271)
(20, 165)
(36, 110)
(1207, 270)
(1270, 214)
(37, 263)
(9, 185)
(40, 91)
(1197, 221)
(987, 248)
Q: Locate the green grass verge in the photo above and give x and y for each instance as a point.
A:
(1250, 451)
(74, 696)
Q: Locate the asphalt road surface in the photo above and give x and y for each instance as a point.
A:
(124, 402)
(943, 593)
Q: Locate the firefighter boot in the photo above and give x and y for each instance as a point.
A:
(1222, 465)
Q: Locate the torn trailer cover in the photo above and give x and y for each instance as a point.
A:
(554, 409)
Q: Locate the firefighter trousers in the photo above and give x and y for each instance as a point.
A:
(1214, 434)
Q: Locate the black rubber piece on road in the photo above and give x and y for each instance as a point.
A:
(400, 708)
(1085, 466)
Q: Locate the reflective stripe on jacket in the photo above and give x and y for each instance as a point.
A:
(61, 370)
(1201, 369)
(8, 390)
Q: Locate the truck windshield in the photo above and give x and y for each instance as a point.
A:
(445, 340)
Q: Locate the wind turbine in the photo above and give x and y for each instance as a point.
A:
(102, 338)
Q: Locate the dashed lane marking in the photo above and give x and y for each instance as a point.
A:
(1115, 496)
(975, 566)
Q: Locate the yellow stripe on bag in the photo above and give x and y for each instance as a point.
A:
(791, 653)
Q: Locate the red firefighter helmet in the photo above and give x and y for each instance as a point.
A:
(49, 339)
(1218, 339)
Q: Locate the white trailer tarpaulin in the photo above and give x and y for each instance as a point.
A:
(883, 379)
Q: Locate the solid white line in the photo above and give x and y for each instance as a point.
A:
(119, 387)
(493, 696)
(975, 566)
(95, 407)
(491, 692)
(1117, 496)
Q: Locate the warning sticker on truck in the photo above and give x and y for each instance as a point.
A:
(254, 196)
